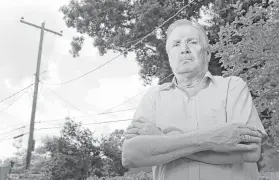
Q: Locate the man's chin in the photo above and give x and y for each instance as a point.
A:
(184, 70)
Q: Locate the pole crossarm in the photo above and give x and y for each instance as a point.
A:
(39, 27)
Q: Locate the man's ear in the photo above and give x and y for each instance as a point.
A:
(208, 51)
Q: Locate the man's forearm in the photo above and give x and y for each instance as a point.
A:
(155, 150)
(211, 157)
(218, 158)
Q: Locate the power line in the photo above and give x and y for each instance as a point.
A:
(13, 102)
(65, 100)
(87, 115)
(133, 97)
(105, 122)
(57, 127)
(13, 130)
(140, 41)
(106, 112)
(53, 120)
(109, 111)
(16, 93)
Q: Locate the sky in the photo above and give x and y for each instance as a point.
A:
(95, 93)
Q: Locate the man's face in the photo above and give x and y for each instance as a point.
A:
(186, 51)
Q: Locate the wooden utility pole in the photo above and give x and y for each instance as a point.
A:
(31, 141)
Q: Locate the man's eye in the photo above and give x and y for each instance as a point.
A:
(193, 42)
(175, 44)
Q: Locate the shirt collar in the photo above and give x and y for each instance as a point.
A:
(173, 84)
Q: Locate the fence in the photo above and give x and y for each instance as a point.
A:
(270, 176)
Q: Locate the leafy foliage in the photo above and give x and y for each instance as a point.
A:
(75, 154)
(254, 57)
(139, 176)
(111, 147)
(118, 24)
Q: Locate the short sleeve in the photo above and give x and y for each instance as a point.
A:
(240, 106)
(147, 105)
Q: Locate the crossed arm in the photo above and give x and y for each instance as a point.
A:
(218, 158)
(154, 147)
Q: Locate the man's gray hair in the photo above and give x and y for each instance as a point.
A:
(187, 22)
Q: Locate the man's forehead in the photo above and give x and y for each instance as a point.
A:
(185, 31)
(178, 38)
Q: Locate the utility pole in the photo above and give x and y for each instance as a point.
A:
(31, 141)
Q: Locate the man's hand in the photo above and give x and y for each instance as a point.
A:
(252, 156)
(141, 126)
(230, 137)
(172, 131)
(247, 156)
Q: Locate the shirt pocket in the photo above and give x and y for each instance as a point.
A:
(212, 113)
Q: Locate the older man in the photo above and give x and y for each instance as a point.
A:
(199, 126)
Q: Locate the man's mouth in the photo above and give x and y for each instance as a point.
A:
(185, 60)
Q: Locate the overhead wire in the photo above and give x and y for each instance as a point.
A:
(109, 111)
(16, 93)
(103, 113)
(59, 119)
(13, 130)
(13, 101)
(140, 41)
(124, 110)
(58, 127)
(133, 97)
(65, 100)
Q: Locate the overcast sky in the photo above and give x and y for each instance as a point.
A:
(95, 93)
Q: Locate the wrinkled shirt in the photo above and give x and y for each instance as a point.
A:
(224, 100)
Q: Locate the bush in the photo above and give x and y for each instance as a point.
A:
(140, 176)
(248, 48)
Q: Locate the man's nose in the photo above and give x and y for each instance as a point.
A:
(184, 48)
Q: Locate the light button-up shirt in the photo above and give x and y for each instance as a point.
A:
(224, 100)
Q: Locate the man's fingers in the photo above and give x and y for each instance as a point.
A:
(245, 131)
(245, 147)
(129, 136)
(250, 139)
(142, 120)
(173, 133)
(169, 129)
(246, 126)
(135, 124)
(132, 131)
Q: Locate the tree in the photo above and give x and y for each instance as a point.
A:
(117, 24)
(111, 147)
(254, 57)
(73, 155)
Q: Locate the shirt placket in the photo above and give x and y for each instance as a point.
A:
(194, 168)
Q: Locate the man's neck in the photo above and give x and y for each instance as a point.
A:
(190, 81)
(193, 87)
